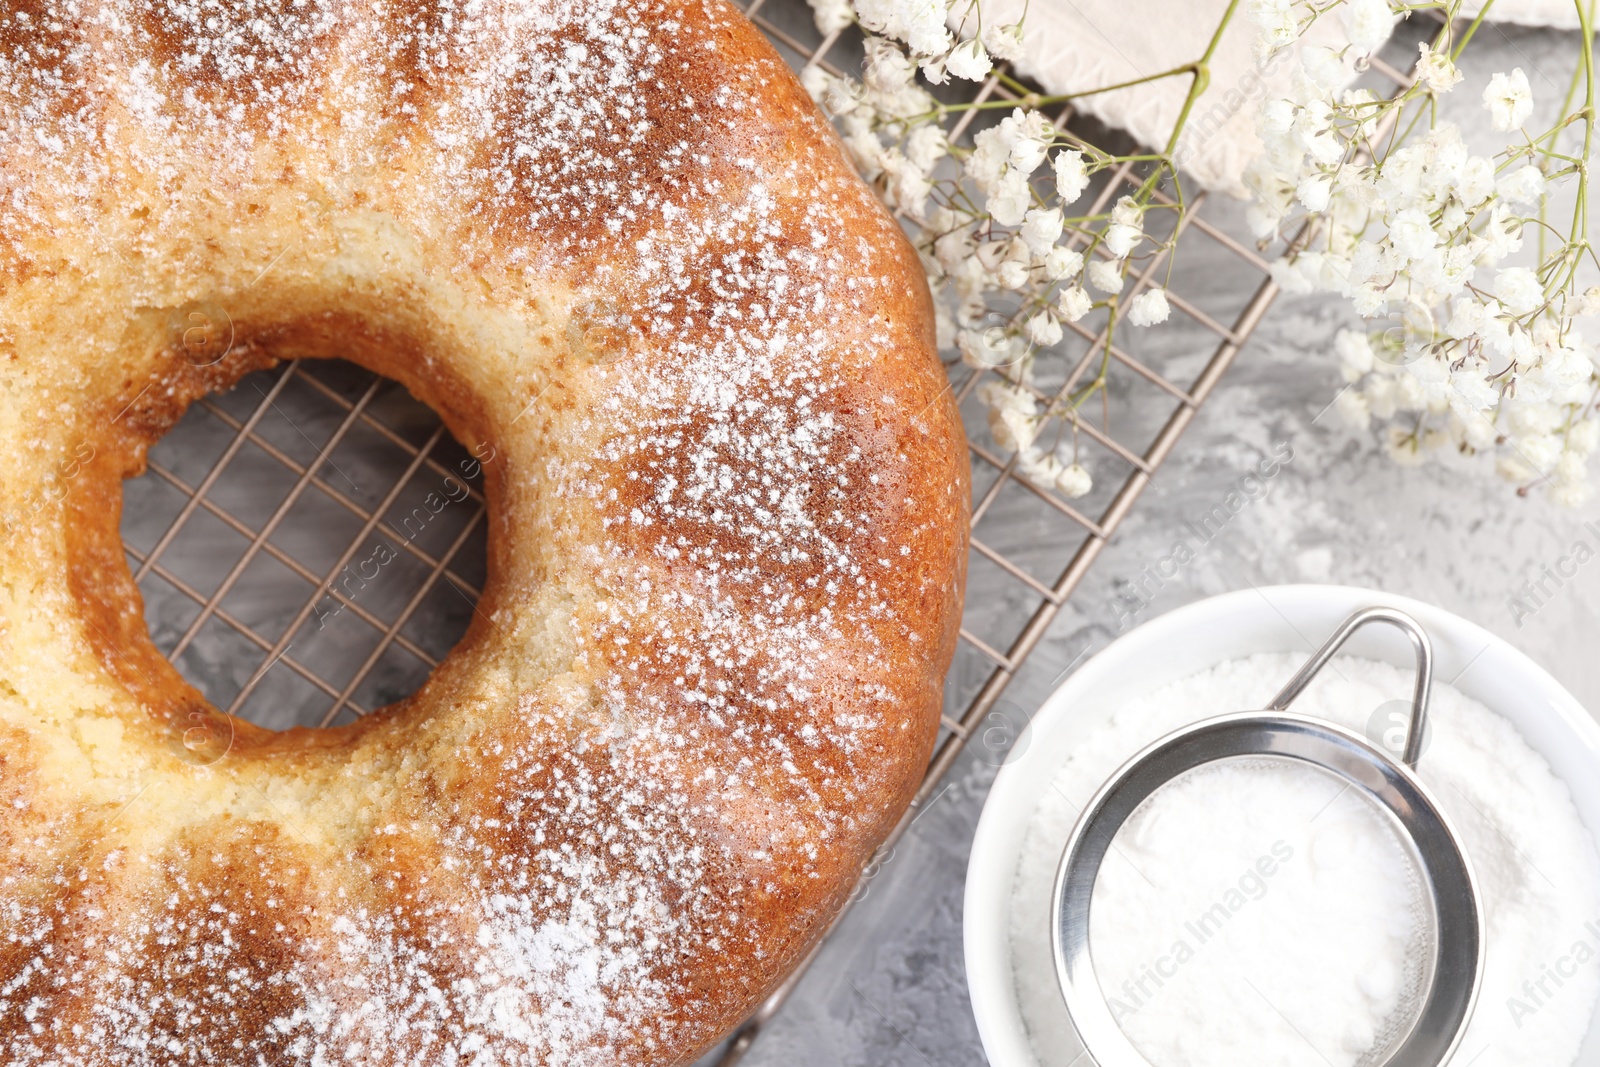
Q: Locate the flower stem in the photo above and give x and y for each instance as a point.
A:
(1472, 29)
(1579, 237)
(1202, 81)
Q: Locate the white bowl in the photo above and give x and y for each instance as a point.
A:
(1289, 618)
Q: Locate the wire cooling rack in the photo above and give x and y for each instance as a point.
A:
(311, 544)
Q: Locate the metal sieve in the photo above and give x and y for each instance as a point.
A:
(1451, 977)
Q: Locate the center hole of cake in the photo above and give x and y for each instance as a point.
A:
(309, 545)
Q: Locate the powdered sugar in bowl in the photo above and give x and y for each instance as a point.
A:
(1259, 920)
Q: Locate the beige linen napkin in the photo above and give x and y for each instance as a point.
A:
(1559, 14)
(1075, 45)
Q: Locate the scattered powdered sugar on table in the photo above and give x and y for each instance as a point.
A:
(1256, 912)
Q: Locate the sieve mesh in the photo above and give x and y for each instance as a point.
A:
(1415, 974)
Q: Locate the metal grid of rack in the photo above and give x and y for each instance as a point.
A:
(228, 535)
(232, 533)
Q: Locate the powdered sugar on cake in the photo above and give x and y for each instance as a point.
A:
(614, 857)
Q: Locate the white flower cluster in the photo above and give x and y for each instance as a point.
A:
(1015, 422)
(996, 222)
(1461, 352)
(921, 25)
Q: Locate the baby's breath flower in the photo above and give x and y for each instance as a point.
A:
(1466, 317)
(925, 30)
(1074, 303)
(1013, 415)
(1314, 130)
(1508, 99)
(1072, 178)
(895, 132)
(1571, 494)
(1323, 66)
(1472, 393)
(1004, 42)
(1290, 276)
(953, 247)
(1435, 70)
(1411, 233)
(909, 187)
(1074, 481)
(1011, 198)
(919, 23)
(836, 95)
(1541, 452)
(1403, 228)
(1519, 291)
(1277, 23)
(1106, 275)
(879, 16)
(867, 151)
(944, 324)
(1121, 239)
(1126, 229)
(832, 15)
(1314, 191)
(1149, 308)
(1061, 263)
(1475, 183)
(815, 80)
(1029, 134)
(1368, 300)
(986, 349)
(991, 254)
(968, 60)
(1478, 366)
(1513, 468)
(1534, 420)
(1276, 119)
(888, 70)
(1012, 274)
(991, 154)
(1368, 23)
(1380, 396)
(1503, 234)
(1042, 468)
(1043, 330)
(1570, 469)
(926, 146)
(1525, 185)
(1041, 229)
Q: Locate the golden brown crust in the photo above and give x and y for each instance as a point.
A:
(618, 250)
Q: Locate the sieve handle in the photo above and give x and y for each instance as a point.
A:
(1419, 694)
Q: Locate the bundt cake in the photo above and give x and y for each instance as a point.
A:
(614, 245)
